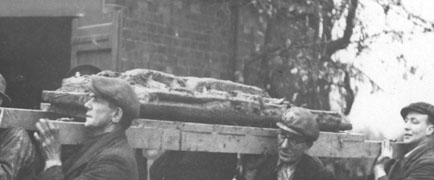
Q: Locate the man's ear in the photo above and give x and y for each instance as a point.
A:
(430, 130)
(117, 115)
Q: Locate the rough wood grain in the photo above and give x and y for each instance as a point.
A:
(191, 99)
(210, 112)
(170, 135)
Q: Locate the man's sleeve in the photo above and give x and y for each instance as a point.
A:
(16, 153)
(326, 174)
(107, 168)
(422, 171)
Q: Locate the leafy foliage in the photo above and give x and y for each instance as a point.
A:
(293, 56)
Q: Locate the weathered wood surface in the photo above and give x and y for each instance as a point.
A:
(165, 96)
(79, 113)
(170, 135)
(213, 112)
(11, 117)
(148, 77)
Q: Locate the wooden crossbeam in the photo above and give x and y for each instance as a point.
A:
(181, 136)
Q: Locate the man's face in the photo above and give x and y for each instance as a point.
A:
(99, 113)
(291, 146)
(417, 128)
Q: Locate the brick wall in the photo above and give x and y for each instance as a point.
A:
(183, 37)
(249, 41)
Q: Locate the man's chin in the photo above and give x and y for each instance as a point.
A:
(87, 125)
(408, 141)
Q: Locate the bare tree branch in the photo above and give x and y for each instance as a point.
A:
(343, 42)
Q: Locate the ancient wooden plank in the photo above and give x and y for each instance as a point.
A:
(165, 135)
(71, 99)
(217, 112)
(207, 138)
(12, 117)
(76, 112)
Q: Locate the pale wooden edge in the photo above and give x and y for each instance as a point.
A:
(167, 135)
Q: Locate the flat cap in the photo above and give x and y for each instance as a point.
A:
(420, 107)
(301, 121)
(118, 92)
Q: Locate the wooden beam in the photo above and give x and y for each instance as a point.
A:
(12, 117)
(170, 135)
(48, 8)
(205, 109)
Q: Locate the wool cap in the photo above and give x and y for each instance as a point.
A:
(3, 89)
(118, 92)
(420, 107)
(301, 121)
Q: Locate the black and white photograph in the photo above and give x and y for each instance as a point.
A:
(216, 90)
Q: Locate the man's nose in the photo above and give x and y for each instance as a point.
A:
(87, 105)
(285, 143)
(407, 125)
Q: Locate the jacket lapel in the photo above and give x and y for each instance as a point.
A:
(303, 169)
(86, 154)
(407, 162)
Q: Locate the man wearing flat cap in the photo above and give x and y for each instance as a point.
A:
(298, 130)
(106, 154)
(417, 161)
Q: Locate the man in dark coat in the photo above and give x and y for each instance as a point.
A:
(106, 154)
(18, 157)
(418, 161)
(298, 129)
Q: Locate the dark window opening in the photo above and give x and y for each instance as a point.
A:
(34, 56)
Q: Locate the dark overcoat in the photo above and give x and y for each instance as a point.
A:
(309, 168)
(108, 157)
(178, 165)
(418, 165)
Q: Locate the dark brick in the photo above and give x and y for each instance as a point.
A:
(181, 71)
(167, 40)
(156, 39)
(170, 31)
(162, 49)
(152, 28)
(196, 72)
(149, 39)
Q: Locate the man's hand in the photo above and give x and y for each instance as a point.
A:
(385, 153)
(48, 138)
(384, 157)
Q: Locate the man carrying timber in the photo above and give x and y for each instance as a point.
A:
(418, 161)
(297, 132)
(19, 159)
(106, 154)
